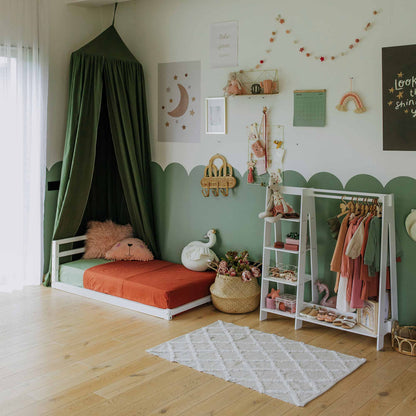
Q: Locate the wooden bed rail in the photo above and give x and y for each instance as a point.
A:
(57, 254)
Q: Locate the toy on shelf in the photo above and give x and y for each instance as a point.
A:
(218, 180)
(332, 301)
(252, 83)
(269, 86)
(277, 207)
(271, 298)
(233, 86)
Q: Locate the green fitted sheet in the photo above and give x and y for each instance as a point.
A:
(73, 272)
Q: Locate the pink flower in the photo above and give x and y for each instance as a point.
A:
(255, 271)
(246, 276)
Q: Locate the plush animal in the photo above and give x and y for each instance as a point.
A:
(233, 86)
(276, 205)
(197, 255)
(332, 301)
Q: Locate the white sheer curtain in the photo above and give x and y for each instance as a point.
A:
(23, 101)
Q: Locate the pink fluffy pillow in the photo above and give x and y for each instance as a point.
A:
(101, 236)
(129, 249)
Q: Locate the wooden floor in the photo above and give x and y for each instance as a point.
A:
(61, 354)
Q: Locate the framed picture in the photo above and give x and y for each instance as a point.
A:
(216, 115)
(367, 317)
(224, 44)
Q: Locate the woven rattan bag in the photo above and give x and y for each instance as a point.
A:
(230, 294)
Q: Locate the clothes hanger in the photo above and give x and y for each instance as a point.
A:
(344, 208)
(366, 207)
(357, 207)
(374, 206)
(379, 210)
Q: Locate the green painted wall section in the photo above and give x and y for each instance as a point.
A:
(184, 215)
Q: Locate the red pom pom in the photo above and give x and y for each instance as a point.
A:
(351, 46)
(301, 49)
(322, 59)
(308, 54)
(357, 40)
(281, 21)
(262, 62)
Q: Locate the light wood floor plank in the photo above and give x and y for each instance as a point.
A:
(61, 354)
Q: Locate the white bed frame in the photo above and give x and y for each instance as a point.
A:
(113, 300)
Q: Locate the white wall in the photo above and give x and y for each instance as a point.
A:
(177, 30)
(70, 27)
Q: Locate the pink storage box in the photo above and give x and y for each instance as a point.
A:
(292, 241)
(286, 303)
(270, 303)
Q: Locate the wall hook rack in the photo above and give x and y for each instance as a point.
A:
(217, 179)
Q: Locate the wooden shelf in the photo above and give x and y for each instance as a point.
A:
(93, 3)
(283, 219)
(282, 250)
(356, 329)
(277, 312)
(281, 281)
(307, 278)
(254, 95)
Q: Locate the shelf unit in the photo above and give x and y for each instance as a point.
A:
(308, 222)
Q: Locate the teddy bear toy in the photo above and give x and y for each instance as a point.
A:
(276, 206)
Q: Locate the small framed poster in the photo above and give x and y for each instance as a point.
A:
(224, 44)
(216, 115)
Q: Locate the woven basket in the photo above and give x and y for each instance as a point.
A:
(403, 339)
(230, 294)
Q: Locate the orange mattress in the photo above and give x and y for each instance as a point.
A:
(156, 283)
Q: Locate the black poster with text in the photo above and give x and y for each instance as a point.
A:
(399, 98)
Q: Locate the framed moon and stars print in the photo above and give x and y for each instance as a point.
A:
(399, 98)
(179, 101)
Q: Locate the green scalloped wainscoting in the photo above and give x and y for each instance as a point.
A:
(184, 215)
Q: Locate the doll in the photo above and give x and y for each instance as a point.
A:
(233, 86)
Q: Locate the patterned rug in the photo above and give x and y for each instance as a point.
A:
(281, 368)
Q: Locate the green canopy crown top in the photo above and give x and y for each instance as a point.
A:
(108, 45)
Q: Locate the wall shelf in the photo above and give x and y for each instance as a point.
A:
(93, 3)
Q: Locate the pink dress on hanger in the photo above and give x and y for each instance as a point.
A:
(342, 304)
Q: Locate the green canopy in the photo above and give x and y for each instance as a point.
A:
(106, 163)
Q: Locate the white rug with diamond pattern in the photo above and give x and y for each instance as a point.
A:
(281, 368)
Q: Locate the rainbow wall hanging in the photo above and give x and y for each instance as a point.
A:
(351, 96)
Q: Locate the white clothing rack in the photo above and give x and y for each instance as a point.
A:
(307, 222)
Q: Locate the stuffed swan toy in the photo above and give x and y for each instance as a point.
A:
(196, 255)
